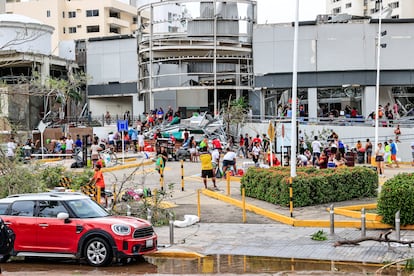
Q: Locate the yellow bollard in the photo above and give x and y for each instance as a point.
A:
(198, 204)
(98, 195)
(162, 178)
(244, 205)
(228, 182)
(291, 197)
(182, 175)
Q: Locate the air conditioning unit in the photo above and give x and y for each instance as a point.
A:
(79, 26)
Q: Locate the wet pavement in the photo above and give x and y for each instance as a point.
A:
(222, 234)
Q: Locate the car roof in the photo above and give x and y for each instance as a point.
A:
(60, 196)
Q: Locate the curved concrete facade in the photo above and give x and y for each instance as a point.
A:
(195, 54)
(24, 34)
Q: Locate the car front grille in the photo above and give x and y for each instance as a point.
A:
(144, 232)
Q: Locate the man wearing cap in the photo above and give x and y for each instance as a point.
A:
(394, 151)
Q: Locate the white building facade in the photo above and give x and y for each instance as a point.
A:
(400, 8)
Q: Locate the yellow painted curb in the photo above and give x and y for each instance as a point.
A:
(249, 207)
(49, 160)
(175, 254)
(126, 166)
(373, 220)
(359, 207)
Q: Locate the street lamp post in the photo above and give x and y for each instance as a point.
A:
(377, 85)
(294, 94)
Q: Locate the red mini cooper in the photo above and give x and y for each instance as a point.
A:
(71, 225)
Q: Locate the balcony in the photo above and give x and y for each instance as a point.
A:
(117, 22)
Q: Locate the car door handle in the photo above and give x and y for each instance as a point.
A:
(7, 223)
(43, 224)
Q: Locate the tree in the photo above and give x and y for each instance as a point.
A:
(235, 114)
(60, 91)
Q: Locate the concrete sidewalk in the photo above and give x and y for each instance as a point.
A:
(221, 230)
(278, 240)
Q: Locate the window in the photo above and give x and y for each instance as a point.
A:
(114, 30)
(172, 29)
(90, 13)
(92, 29)
(134, 20)
(394, 5)
(114, 14)
(23, 208)
(50, 209)
(348, 5)
(72, 14)
(63, 14)
(64, 30)
(72, 30)
(334, 1)
(3, 208)
(48, 13)
(336, 10)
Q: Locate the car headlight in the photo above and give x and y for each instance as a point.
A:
(121, 229)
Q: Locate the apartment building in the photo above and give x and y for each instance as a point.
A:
(400, 8)
(78, 19)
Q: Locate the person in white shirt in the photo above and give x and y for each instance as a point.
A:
(302, 160)
(316, 150)
(141, 142)
(69, 145)
(11, 147)
(256, 149)
(215, 160)
(229, 159)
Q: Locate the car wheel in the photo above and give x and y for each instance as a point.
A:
(4, 258)
(98, 252)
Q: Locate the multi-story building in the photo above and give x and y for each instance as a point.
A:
(195, 55)
(25, 48)
(78, 19)
(400, 8)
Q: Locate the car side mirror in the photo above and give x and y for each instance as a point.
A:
(63, 216)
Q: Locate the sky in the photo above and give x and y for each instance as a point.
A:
(280, 11)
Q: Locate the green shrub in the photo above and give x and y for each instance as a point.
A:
(311, 186)
(397, 194)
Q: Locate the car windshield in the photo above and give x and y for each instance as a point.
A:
(87, 208)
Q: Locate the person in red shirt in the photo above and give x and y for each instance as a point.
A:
(99, 181)
(216, 144)
(257, 140)
(354, 112)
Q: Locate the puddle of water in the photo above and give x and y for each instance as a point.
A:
(251, 264)
(217, 264)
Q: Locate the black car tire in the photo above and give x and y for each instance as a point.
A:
(4, 258)
(98, 252)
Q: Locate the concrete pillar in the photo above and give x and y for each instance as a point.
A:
(368, 100)
(313, 103)
(45, 69)
(262, 104)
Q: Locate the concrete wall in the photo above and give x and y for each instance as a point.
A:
(112, 61)
(332, 47)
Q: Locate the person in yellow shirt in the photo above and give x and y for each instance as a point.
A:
(207, 167)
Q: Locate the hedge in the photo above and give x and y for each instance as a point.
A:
(397, 194)
(311, 186)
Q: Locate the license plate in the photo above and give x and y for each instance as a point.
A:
(149, 243)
